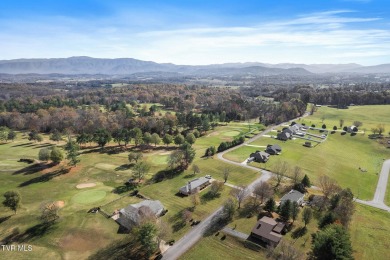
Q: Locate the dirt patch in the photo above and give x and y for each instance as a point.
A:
(213, 134)
(165, 153)
(60, 203)
(85, 185)
(81, 240)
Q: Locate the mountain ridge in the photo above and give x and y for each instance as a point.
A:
(127, 66)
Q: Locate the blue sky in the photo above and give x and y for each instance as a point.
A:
(199, 32)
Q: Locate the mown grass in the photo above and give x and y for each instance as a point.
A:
(339, 157)
(369, 230)
(214, 247)
(370, 116)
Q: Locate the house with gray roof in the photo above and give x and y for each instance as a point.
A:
(194, 186)
(259, 156)
(273, 149)
(268, 230)
(292, 196)
(284, 136)
(133, 214)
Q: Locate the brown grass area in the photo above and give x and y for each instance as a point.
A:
(77, 240)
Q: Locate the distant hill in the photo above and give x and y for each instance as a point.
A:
(129, 66)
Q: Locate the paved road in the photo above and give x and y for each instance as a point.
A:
(380, 192)
(186, 242)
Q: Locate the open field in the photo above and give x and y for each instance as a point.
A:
(370, 116)
(214, 247)
(369, 231)
(339, 157)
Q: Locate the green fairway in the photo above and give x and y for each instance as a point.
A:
(232, 133)
(89, 196)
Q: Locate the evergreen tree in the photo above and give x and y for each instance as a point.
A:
(306, 181)
(270, 205)
(332, 243)
(56, 136)
(294, 210)
(72, 152)
(285, 210)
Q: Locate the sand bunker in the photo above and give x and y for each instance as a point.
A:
(60, 203)
(86, 185)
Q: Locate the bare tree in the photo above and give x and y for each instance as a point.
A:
(164, 231)
(328, 186)
(341, 123)
(263, 191)
(195, 169)
(286, 251)
(226, 173)
(280, 170)
(357, 123)
(297, 174)
(240, 193)
(381, 128)
(195, 199)
(187, 215)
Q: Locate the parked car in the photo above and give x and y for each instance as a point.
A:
(208, 176)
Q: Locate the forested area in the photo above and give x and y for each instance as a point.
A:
(45, 108)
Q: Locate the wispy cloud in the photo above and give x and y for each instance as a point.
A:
(322, 37)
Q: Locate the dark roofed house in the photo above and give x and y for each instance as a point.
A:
(292, 196)
(133, 214)
(194, 186)
(260, 156)
(273, 149)
(284, 136)
(268, 231)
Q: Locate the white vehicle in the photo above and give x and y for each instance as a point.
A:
(208, 176)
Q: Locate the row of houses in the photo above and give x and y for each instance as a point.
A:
(262, 157)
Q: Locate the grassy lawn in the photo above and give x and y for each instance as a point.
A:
(339, 157)
(369, 230)
(370, 116)
(214, 247)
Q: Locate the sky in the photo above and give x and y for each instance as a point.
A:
(199, 32)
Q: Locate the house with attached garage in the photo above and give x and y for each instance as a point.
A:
(259, 156)
(195, 186)
(134, 214)
(268, 231)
